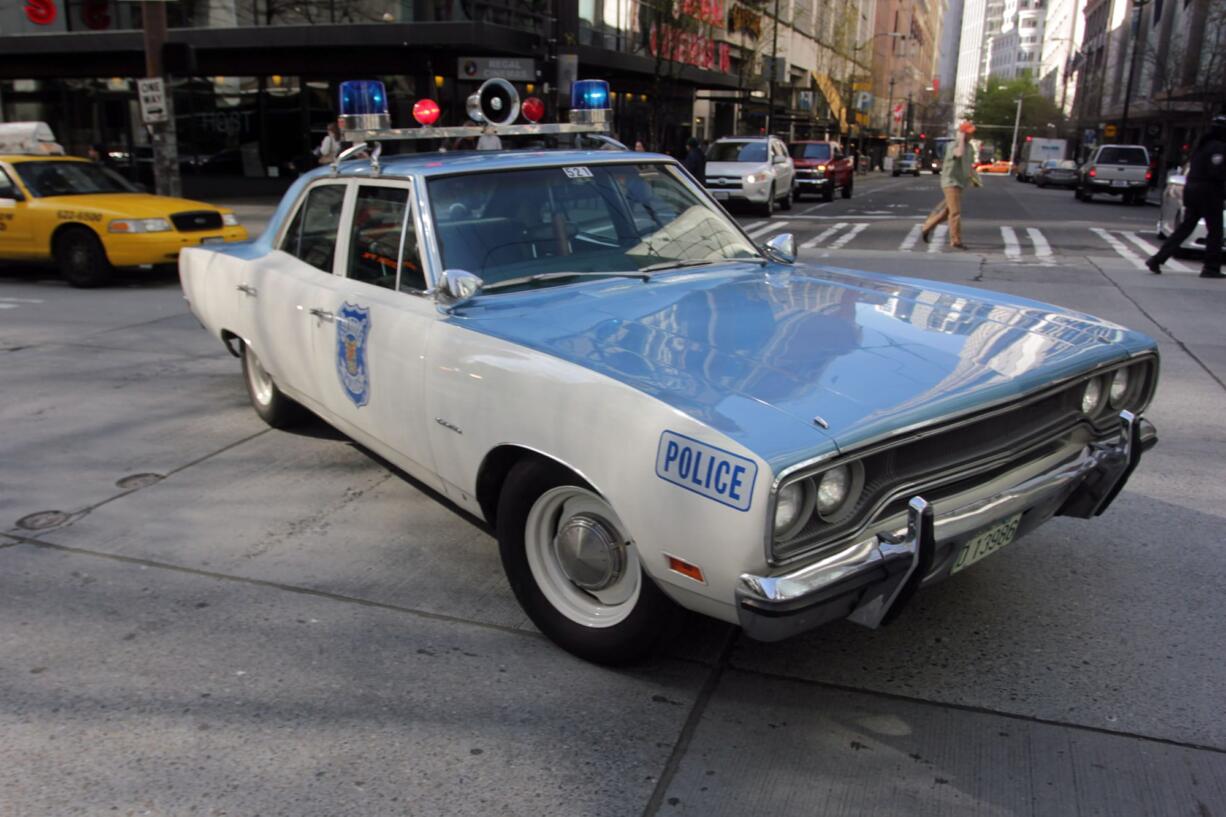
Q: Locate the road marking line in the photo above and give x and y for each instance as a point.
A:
(817, 207)
(758, 232)
(1042, 250)
(1013, 250)
(847, 236)
(22, 300)
(1118, 246)
(912, 237)
(8, 306)
(1150, 249)
(753, 225)
(822, 236)
(938, 238)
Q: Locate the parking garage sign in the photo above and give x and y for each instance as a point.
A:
(152, 94)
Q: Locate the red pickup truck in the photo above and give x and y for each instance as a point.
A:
(820, 168)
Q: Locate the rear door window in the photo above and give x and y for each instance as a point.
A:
(1123, 156)
(311, 236)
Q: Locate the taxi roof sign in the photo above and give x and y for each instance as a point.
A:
(35, 138)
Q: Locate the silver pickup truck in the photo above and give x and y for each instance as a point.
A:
(1115, 170)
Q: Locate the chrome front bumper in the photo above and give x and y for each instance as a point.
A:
(870, 581)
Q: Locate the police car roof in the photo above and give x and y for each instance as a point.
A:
(476, 161)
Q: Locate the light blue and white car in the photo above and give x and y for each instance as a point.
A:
(584, 350)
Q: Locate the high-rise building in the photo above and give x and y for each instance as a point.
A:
(1062, 33)
(982, 21)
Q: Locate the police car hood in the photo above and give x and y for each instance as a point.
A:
(759, 354)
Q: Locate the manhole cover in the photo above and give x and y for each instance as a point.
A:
(42, 520)
(137, 481)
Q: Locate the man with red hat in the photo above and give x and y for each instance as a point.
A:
(957, 171)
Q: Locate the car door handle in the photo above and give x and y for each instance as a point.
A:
(247, 289)
(322, 314)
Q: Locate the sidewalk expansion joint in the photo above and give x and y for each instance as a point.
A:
(287, 588)
(1159, 324)
(681, 747)
(979, 710)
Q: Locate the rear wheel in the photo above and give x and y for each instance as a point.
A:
(81, 259)
(573, 567)
(268, 401)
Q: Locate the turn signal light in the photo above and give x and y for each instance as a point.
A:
(686, 569)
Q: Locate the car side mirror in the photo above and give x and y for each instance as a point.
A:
(780, 160)
(782, 248)
(455, 286)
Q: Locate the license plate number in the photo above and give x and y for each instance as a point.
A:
(986, 543)
(213, 239)
(720, 194)
(1119, 184)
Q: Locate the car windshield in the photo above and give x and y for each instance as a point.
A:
(1067, 164)
(737, 152)
(1123, 156)
(70, 179)
(604, 219)
(908, 158)
(819, 151)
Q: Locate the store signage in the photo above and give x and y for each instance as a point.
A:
(704, 11)
(745, 21)
(1110, 131)
(41, 12)
(152, 95)
(515, 69)
(688, 47)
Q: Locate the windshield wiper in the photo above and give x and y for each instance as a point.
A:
(557, 276)
(679, 264)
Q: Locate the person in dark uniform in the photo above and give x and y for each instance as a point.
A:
(696, 161)
(1202, 198)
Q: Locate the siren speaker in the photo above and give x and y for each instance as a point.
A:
(496, 102)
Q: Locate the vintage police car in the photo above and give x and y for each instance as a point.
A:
(583, 349)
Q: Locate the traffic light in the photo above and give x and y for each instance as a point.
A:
(923, 136)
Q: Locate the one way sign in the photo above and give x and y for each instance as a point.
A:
(152, 93)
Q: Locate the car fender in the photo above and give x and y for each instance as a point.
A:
(486, 393)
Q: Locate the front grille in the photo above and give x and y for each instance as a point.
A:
(723, 181)
(945, 461)
(196, 220)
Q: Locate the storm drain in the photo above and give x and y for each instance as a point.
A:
(42, 520)
(131, 483)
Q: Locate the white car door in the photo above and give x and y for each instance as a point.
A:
(372, 359)
(293, 292)
(785, 170)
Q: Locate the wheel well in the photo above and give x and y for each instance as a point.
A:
(228, 338)
(493, 473)
(68, 227)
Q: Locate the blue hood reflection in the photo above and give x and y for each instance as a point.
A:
(758, 353)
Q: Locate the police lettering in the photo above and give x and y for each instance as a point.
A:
(704, 469)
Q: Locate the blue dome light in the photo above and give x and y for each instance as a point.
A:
(589, 94)
(364, 104)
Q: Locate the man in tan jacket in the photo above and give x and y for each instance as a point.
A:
(957, 171)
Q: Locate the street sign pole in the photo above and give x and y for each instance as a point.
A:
(161, 124)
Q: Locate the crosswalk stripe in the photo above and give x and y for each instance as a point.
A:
(912, 237)
(938, 238)
(1013, 250)
(1119, 247)
(753, 225)
(848, 236)
(1150, 249)
(1042, 250)
(765, 228)
(822, 236)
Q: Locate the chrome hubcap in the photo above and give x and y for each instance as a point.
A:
(589, 553)
(261, 381)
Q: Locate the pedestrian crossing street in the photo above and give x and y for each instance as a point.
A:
(1021, 245)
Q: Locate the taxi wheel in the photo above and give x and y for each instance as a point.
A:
(573, 568)
(81, 259)
(268, 401)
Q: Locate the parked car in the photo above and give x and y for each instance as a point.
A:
(907, 163)
(1056, 173)
(88, 219)
(1171, 214)
(649, 409)
(821, 168)
(996, 166)
(751, 169)
(1115, 170)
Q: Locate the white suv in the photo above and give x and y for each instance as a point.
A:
(756, 169)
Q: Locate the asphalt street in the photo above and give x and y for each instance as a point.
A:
(202, 615)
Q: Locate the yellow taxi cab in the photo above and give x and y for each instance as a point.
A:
(89, 219)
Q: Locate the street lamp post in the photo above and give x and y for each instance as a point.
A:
(1132, 65)
(1017, 121)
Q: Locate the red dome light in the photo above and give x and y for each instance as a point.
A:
(532, 109)
(425, 111)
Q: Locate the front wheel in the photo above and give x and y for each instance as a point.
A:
(268, 401)
(81, 259)
(786, 204)
(573, 567)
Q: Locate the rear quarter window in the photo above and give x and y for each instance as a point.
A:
(1123, 156)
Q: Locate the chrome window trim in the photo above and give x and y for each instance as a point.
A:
(918, 431)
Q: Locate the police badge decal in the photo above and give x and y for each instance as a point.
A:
(352, 330)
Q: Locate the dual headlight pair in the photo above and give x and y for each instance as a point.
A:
(1115, 388)
(157, 225)
(831, 494)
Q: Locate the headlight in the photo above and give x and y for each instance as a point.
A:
(1092, 397)
(793, 507)
(833, 489)
(139, 225)
(757, 178)
(229, 219)
(1119, 386)
(821, 168)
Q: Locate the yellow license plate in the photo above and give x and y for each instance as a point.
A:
(985, 544)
